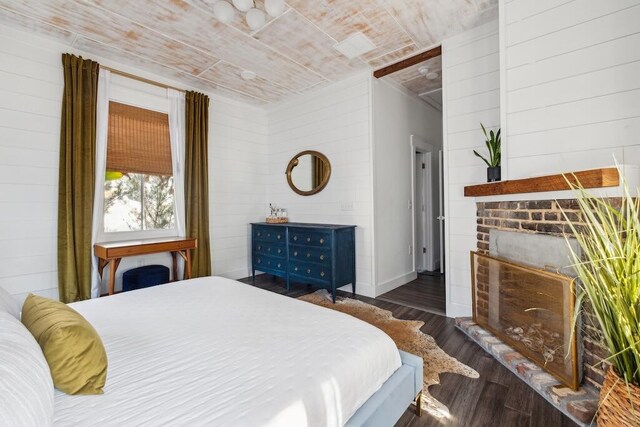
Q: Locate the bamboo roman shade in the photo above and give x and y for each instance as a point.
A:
(138, 141)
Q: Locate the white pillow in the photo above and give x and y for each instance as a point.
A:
(8, 304)
(26, 388)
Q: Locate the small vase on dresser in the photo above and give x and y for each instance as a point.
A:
(321, 255)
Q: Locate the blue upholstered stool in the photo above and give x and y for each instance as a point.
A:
(144, 277)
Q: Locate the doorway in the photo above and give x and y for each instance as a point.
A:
(427, 291)
(426, 204)
(417, 110)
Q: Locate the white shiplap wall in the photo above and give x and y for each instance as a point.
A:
(571, 84)
(471, 90)
(30, 103)
(334, 120)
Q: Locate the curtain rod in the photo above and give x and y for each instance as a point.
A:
(141, 79)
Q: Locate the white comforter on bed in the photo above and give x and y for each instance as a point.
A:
(213, 351)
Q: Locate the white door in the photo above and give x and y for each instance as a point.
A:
(420, 207)
(441, 207)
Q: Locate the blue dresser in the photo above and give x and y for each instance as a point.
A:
(323, 255)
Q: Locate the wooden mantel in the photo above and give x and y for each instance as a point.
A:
(594, 178)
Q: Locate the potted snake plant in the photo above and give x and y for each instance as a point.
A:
(609, 274)
(492, 140)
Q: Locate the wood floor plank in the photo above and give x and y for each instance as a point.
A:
(498, 398)
(511, 417)
(426, 293)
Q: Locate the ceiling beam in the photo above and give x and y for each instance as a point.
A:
(408, 62)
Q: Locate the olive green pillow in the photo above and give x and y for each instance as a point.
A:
(72, 347)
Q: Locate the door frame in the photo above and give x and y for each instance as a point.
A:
(418, 144)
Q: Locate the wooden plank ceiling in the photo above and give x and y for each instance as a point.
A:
(182, 39)
(430, 90)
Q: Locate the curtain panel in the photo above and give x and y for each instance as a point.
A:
(197, 180)
(76, 177)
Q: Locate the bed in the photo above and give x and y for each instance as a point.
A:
(214, 351)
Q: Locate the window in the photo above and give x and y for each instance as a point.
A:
(138, 190)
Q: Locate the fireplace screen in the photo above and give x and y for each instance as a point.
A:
(529, 309)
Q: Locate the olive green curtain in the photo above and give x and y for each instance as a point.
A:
(76, 177)
(196, 187)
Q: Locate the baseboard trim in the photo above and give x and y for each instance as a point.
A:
(390, 285)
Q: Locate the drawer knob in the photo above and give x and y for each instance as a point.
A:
(321, 241)
(269, 235)
(308, 271)
(308, 239)
(259, 247)
(279, 236)
(259, 261)
(279, 250)
(295, 237)
(259, 234)
(278, 265)
(295, 253)
(268, 249)
(295, 268)
(321, 257)
(308, 255)
(322, 274)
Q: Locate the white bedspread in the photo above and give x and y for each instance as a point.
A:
(217, 352)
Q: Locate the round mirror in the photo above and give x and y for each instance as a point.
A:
(308, 172)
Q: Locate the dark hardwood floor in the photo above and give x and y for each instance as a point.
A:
(425, 293)
(497, 398)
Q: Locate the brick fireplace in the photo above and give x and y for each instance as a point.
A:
(545, 217)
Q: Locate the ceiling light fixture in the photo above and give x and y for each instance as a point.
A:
(274, 8)
(247, 75)
(255, 19)
(243, 5)
(224, 11)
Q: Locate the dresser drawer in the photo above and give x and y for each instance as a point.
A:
(268, 263)
(270, 248)
(301, 236)
(310, 254)
(307, 270)
(269, 234)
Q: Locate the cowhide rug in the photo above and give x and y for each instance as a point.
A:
(408, 337)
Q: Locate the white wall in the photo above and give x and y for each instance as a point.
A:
(334, 120)
(30, 103)
(571, 92)
(471, 93)
(396, 116)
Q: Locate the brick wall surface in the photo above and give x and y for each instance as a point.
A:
(546, 217)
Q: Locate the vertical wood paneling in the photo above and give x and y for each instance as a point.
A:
(470, 90)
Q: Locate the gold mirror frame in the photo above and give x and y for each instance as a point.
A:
(294, 162)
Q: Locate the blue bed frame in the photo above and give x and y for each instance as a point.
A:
(387, 405)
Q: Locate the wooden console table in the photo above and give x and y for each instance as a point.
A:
(112, 252)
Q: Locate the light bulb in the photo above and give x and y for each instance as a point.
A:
(274, 8)
(255, 19)
(243, 5)
(224, 11)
